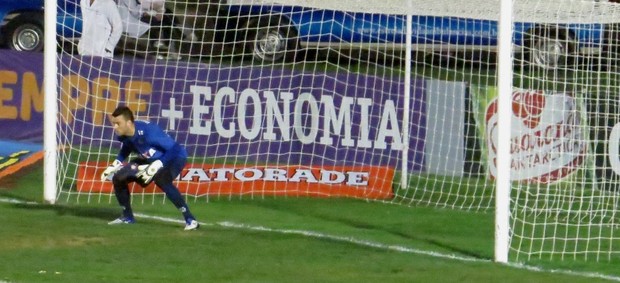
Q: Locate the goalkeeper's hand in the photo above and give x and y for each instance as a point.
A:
(147, 171)
(111, 169)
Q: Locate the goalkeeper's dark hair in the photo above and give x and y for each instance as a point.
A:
(123, 111)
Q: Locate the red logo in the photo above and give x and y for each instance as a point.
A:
(528, 106)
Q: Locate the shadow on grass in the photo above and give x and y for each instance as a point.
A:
(369, 226)
(452, 248)
(105, 214)
(80, 211)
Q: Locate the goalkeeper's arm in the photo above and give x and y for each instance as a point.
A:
(123, 153)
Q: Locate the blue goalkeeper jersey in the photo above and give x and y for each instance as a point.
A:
(151, 143)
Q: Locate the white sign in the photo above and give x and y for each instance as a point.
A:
(271, 120)
(547, 140)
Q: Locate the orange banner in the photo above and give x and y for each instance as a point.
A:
(294, 180)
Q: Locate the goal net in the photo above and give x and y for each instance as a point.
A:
(344, 99)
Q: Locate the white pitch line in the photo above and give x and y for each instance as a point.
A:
(352, 240)
(314, 234)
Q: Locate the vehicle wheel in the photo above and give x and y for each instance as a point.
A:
(549, 48)
(25, 33)
(271, 40)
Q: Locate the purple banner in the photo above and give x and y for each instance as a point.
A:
(21, 96)
(251, 113)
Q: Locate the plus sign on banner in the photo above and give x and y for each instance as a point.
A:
(172, 114)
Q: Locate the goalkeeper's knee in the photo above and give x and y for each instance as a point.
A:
(121, 177)
(162, 178)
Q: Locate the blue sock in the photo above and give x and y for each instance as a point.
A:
(176, 198)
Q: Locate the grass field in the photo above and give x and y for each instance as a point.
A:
(278, 240)
(259, 240)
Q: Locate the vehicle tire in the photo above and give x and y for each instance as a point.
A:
(25, 33)
(549, 48)
(271, 40)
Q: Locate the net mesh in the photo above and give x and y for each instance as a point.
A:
(307, 98)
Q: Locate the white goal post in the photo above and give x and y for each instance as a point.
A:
(511, 109)
(51, 108)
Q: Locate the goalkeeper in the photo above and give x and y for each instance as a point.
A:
(160, 159)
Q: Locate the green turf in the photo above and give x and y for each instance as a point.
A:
(255, 240)
(305, 240)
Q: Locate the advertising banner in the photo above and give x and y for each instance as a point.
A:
(21, 96)
(604, 121)
(291, 180)
(252, 114)
(258, 115)
(16, 155)
(548, 137)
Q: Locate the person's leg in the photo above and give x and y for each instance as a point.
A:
(121, 181)
(167, 26)
(168, 35)
(154, 34)
(187, 33)
(163, 179)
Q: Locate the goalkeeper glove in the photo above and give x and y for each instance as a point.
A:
(111, 169)
(147, 171)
